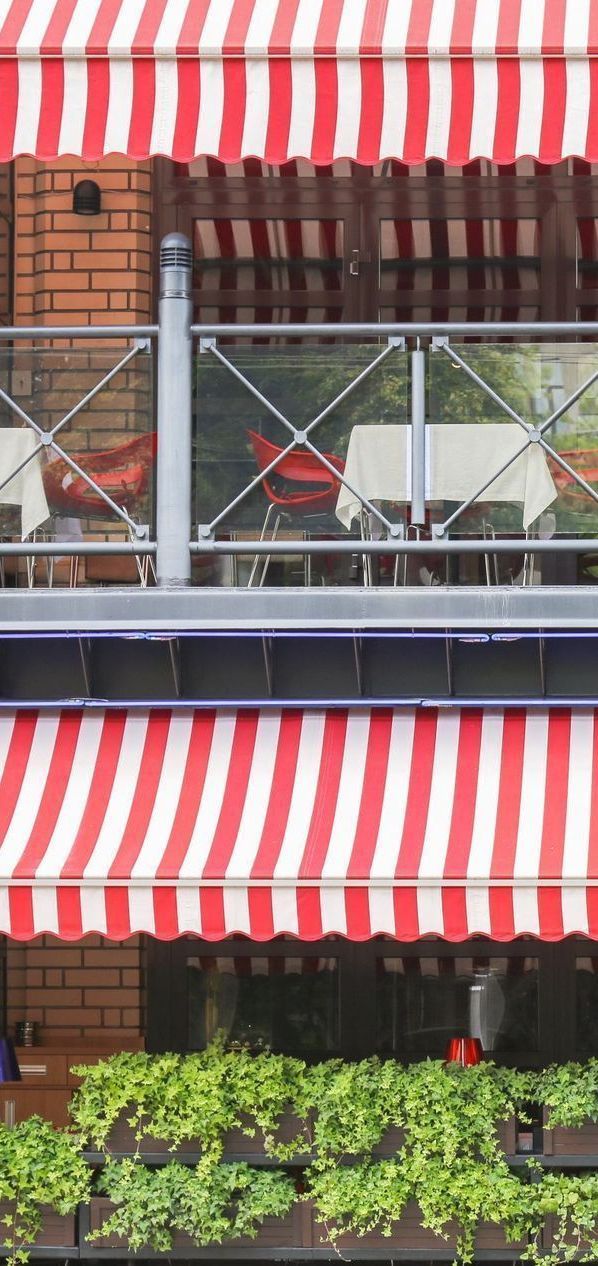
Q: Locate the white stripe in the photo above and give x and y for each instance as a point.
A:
(188, 911)
(396, 27)
(526, 915)
(533, 796)
(577, 107)
(303, 108)
(5, 928)
(485, 27)
(34, 28)
(79, 28)
(575, 911)
(259, 31)
(285, 915)
(486, 805)
(531, 24)
(45, 910)
(348, 801)
(382, 912)
(579, 796)
(74, 107)
(348, 116)
(531, 107)
(141, 910)
(441, 26)
(257, 799)
(169, 30)
(120, 106)
(121, 797)
(485, 106)
(394, 118)
(212, 797)
(236, 911)
(302, 800)
(333, 911)
(166, 78)
(211, 41)
(125, 27)
(396, 791)
(7, 725)
(168, 794)
(577, 26)
(442, 796)
(93, 910)
(350, 29)
(75, 797)
(439, 114)
(28, 107)
(257, 106)
(305, 28)
(211, 108)
(430, 915)
(477, 905)
(32, 789)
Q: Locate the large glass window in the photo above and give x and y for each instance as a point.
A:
(586, 1005)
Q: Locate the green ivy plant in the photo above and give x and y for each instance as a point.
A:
(39, 1167)
(209, 1202)
(570, 1092)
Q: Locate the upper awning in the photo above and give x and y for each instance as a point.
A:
(318, 79)
(404, 823)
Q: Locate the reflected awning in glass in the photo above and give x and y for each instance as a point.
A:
(399, 822)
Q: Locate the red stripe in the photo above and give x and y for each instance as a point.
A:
(326, 76)
(553, 114)
(593, 28)
(418, 34)
(102, 781)
(144, 39)
(20, 907)
(142, 108)
(96, 115)
(406, 914)
(462, 105)
(502, 916)
(9, 96)
(166, 918)
(555, 794)
(592, 902)
(146, 788)
(187, 115)
(357, 911)
(233, 111)
(418, 798)
(279, 114)
(507, 32)
(283, 782)
(53, 40)
(282, 27)
(192, 788)
(261, 917)
(325, 802)
(550, 914)
(509, 795)
(463, 25)
(191, 30)
(454, 915)
(373, 27)
(593, 840)
(118, 919)
(54, 792)
(211, 906)
(238, 27)
(591, 150)
(52, 102)
(13, 25)
(309, 914)
(15, 765)
(466, 788)
(418, 106)
(507, 111)
(70, 923)
(99, 36)
(372, 111)
(372, 796)
(235, 792)
(553, 34)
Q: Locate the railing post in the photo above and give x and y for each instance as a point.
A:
(418, 438)
(174, 460)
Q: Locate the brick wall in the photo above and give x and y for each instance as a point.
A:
(91, 988)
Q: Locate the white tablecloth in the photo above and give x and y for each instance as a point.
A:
(26, 489)
(459, 459)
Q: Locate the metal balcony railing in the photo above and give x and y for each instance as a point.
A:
(290, 455)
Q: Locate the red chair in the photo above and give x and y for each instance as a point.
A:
(123, 473)
(298, 467)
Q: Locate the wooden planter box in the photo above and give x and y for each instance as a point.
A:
(561, 1140)
(287, 1232)
(408, 1233)
(57, 1231)
(122, 1140)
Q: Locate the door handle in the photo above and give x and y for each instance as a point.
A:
(10, 1113)
(354, 264)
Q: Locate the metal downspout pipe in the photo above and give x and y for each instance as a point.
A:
(174, 459)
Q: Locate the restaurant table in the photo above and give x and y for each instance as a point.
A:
(26, 489)
(460, 457)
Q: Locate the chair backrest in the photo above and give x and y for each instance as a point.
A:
(300, 467)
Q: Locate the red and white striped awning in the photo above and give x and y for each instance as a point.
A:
(319, 79)
(404, 822)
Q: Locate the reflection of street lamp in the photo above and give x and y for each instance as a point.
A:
(486, 1008)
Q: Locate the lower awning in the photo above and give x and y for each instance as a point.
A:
(404, 822)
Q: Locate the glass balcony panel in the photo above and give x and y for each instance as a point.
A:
(422, 1002)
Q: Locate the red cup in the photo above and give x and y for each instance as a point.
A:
(464, 1050)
